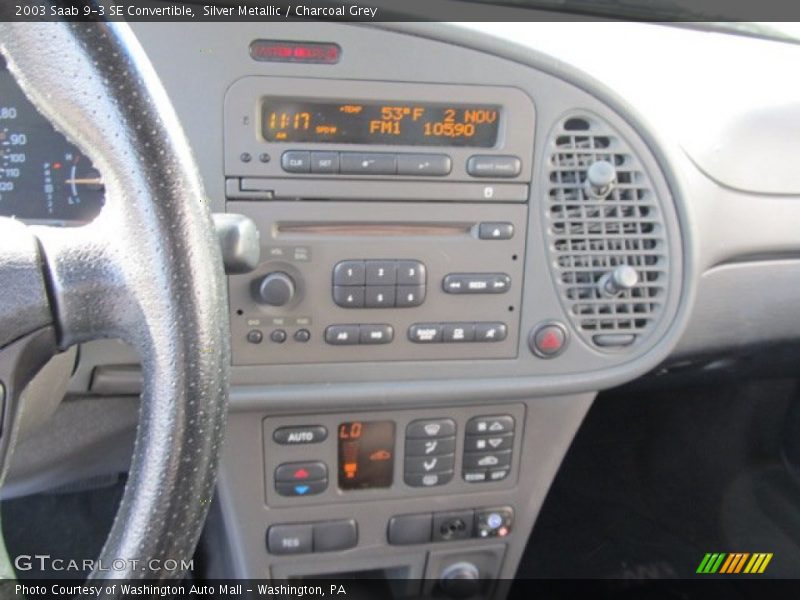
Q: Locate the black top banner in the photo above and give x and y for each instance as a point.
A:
(697, 11)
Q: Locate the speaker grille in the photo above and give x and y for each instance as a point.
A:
(588, 237)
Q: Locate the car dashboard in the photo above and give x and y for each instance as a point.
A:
(463, 235)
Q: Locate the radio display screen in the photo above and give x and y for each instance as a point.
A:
(389, 123)
(366, 454)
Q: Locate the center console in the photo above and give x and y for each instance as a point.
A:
(456, 251)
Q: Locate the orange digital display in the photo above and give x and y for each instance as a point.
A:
(390, 123)
(366, 454)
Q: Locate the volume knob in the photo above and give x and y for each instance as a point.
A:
(276, 289)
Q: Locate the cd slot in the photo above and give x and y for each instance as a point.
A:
(351, 229)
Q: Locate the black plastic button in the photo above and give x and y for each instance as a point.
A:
(427, 479)
(491, 424)
(255, 336)
(430, 428)
(298, 472)
(410, 529)
(495, 231)
(407, 296)
(424, 165)
(278, 336)
(475, 476)
(349, 272)
(306, 488)
(349, 296)
(490, 332)
(489, 443)
(381, 272)
(301, 434)
(342, 335)
(498, 474)
(289, 539)
(379, 296)
(302, 335)
(425, 333)
(372, 163)
(453, 525)
(410, 272)
(296, 161)
(430, 447)
(487, 460)
(548, 340)
(376, 334)
(494, 166)
(324, 162)
(458, 332)
(335, 535)
(429, 464)
(476, 283)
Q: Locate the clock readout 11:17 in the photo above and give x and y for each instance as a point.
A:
(389, 123)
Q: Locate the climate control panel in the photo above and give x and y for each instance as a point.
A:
(379, 282)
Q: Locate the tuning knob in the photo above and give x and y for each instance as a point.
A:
(622, 278)
(600, 178)
(460, 580)
(275, 289)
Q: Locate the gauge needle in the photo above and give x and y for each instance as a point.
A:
(85, 181)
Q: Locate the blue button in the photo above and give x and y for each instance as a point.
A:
(300, 489)
(494, 520)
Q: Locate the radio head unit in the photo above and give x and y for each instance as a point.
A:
(284, 134)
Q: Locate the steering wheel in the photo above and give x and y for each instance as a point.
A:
(148, 270)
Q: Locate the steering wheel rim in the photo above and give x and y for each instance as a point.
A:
(148, 270)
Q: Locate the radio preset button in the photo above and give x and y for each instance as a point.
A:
(372, 163)
(350, 272)
(495, 231)
(424, 165)
(324, 162)
(409, 295)
(410, 272)
(379, 296)
(349, 296)
(476, 283)
(494, 166)
(425, 333)
(342, 335)
(296, 161)
(375, 334)
(381, 272)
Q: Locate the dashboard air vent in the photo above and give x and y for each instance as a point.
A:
(606, 235)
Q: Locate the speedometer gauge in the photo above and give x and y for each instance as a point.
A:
(43, 178)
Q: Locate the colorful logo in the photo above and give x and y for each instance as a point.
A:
(734, 563)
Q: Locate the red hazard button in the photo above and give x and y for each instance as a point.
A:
(548, 339)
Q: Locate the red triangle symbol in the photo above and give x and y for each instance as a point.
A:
(550, 341)
(301, 474)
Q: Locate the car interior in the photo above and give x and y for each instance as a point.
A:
(443, 307)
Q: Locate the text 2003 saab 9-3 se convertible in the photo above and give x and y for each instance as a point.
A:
(400, 309)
